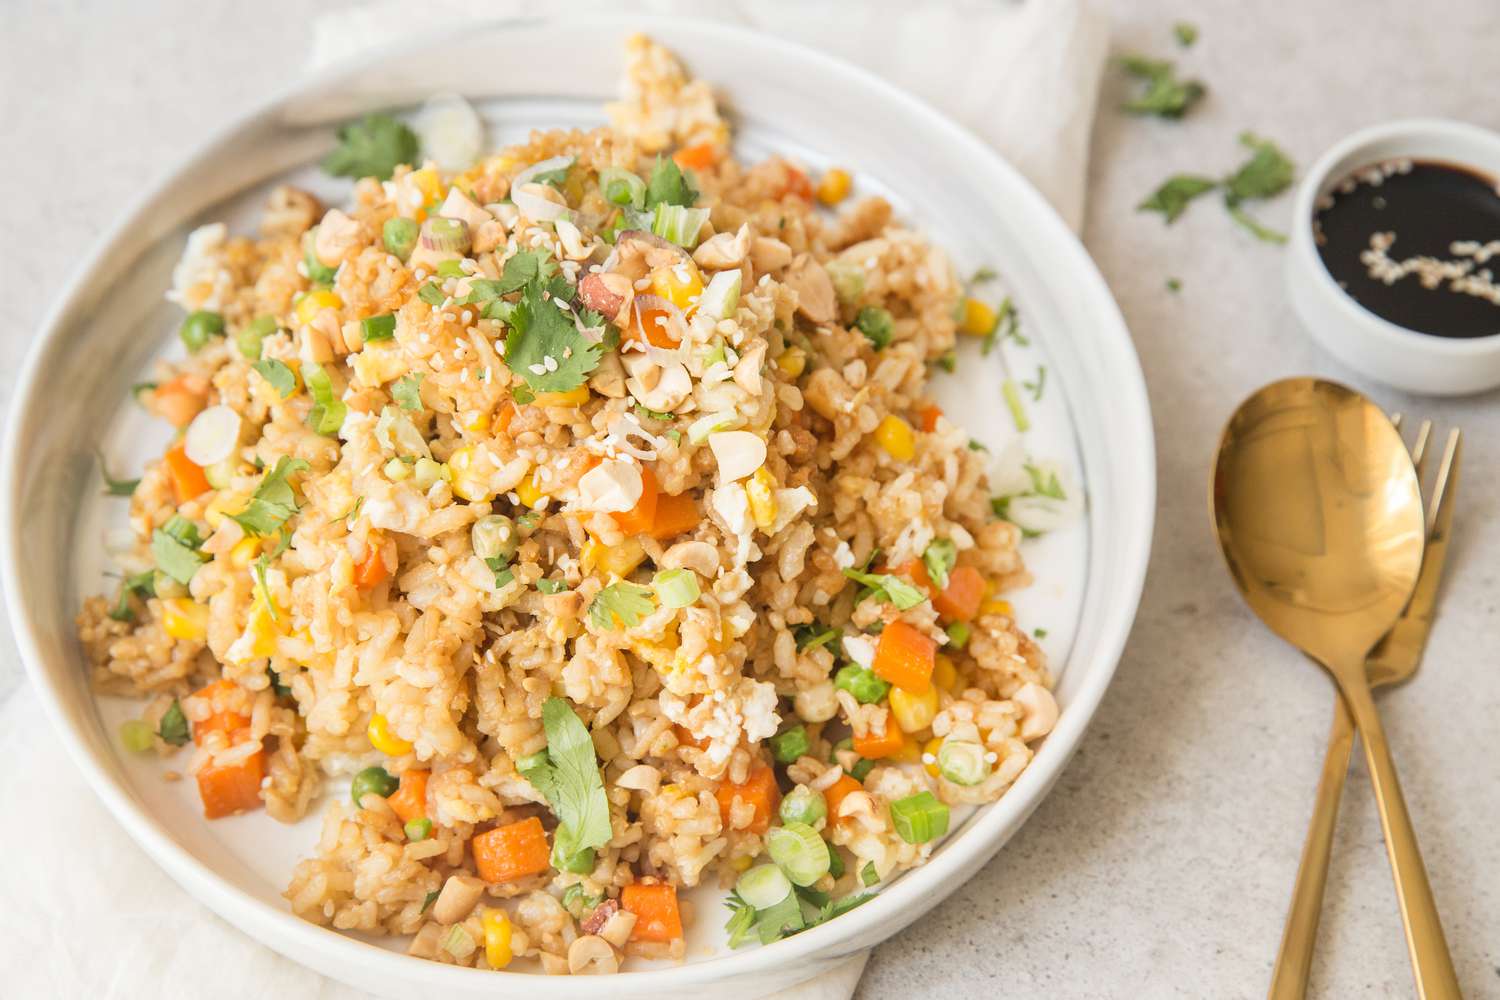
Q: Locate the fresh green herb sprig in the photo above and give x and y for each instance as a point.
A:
(1267, 173)
(1164, 95)
(567, 775)
(374, 146)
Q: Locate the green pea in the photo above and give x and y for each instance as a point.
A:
(419, 829)
(495, 537)
(803, 805)
(790, 745)
(136, 735)
(399, 236)
(375, 780)
(200, 327)
(862, 683)
(252, 333)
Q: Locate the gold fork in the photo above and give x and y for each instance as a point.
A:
(1392, 661)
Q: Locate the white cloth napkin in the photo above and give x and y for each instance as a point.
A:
(87, 913)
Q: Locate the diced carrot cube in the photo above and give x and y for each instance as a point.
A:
(929, 415)
(675, 515)
(511, 852)
(873, 747)
(179, 400)
(409, 801)
(685, 737)
(904, 657)
(650, 326)
(657, 915)
(187, 476)
(797, 184)
(759, 790)
(218, 721)
(371, 570)
(835, 793)
(642, 516)
(697, 157)
(960, 600)
(227, 789)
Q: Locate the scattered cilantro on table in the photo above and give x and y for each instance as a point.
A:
(1164, 95)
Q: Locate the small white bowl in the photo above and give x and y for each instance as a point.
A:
(1398, 356)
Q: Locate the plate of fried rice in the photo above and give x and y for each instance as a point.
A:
(590, 509)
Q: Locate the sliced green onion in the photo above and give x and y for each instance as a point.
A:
(444, 235)
(722, 296)
(848, 281)
(861, 768)
(418, 829)
(677, 588)
(400, 237)
(763, 886)
(799, 852)
(317, 272)
(458, 942)
(780, 919)
(919, 818)
(963, 762)
(450, 269)
(199, 328)
(621, 187)
(679, 224)
(868, 875)
(958, 634)
(378, 327)
(790, 745)
(252, 333)
(136, 735)
(876, 324)
(803, 805)
(700, 429)
(1013, 403)
(835, 860)
(328, 413)
(862, 683)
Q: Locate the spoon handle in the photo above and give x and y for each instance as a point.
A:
(1294, 960)
(1431, 964)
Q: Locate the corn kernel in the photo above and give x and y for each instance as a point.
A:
(244, 552)
(761, 490)
(680, 284)
(573, 397)
(224, 503)
(477, 421)
(930, 749)
(978, 320)
(793, 362)
(944, 673)
(531, 495)
(997, 607)
(467, 484)
(741, 863)
(262, 629)
(428, 187)
(895, 436)
(185, 618)
(496, 926)
(914, 712)
(382, 739)
(833, 186)
(621, 559)
(309, 305)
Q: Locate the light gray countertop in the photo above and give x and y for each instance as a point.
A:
(1161, 864)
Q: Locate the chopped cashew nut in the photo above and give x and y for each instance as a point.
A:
(1040, 708)
(611, 486)
(457, 900)
(739, 453)
(592, 955)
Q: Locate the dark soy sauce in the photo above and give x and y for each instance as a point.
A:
(1416, 243)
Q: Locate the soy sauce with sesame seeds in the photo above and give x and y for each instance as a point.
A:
(1416, 243)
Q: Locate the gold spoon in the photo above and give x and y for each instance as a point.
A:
(1319, 517)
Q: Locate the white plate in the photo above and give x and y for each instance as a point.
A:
(112, 321)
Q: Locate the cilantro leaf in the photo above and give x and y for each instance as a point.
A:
(556, 177)
(544, 346)
(567, 775)
(500, 566)
(886, 587)
(522, 269)
(116, 487)
(175, 546)
(1186, 33)
(174, 726)
(939, 559)
(1035, 387)
(548, 586)
(142, 585)
(1267, 173)
(1172, 198)
(1007, 325)
(811, 637)
(1164, 95)
(741, 921)
(372, 147)
(1044, 482)
(408, 391)
(273, 502)
(278, 374)
(668, 186)
(621, 604)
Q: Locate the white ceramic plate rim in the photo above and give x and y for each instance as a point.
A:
(282, 930)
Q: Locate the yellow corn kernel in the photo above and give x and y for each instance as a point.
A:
(680, 284)
(382, 739)
(573, 397)
(761, 490)
(224, 503)
(378, 363)
(914, 712)
(793, 362)
(979, 318)
(477, 421)
(245, 550)
(496, 926)
(309, 305)
(910, 752)
(621, 559)
(833, 186)
(262, 628)
(741, 863)
(895, 436)
(530, 493)
(467, 484)
(930, 749)
(429, 188)
(944, 673)
(997, 607)
(185, 618)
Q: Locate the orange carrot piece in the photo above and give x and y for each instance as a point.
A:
(904, 657)
(503, 417)
(649, 326)
(410, 800)
(218, 722)
(657, 915)
(511, 852)
(697, 157)
(873, 747)
(675, 515)
(960, 600)
(797, 184)
(227, 789)
(759, 790)
(686, 738)
(835, 793)
(371, 570)
(929, 415)
(642, 516)
(187, 476)
(178, 401)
